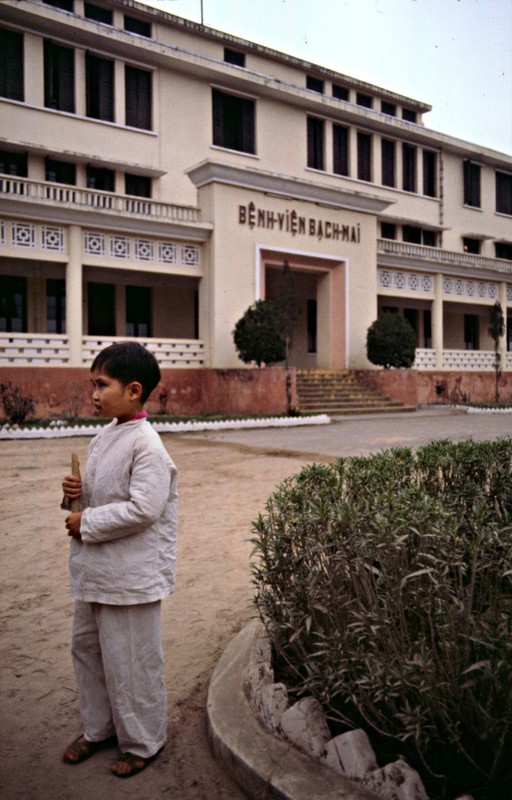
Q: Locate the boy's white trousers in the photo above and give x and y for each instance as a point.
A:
(118, 661)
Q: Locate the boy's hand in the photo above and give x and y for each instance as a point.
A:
(72, 487)
(73, 524)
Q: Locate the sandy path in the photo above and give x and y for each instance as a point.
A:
(222, 489)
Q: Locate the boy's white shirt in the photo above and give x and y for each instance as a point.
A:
(128, 527)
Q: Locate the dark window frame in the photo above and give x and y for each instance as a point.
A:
(62, 171)
(316, 143)
(139, 26)
(315, 84)
(55, 305)
(364, 156)
(471, 332)
(472, 181)
(99, 83)
(364, 100)
(234, 122)
(388, 108)
(100, 178)
(59, 77)
(138, 89)
(14, 163)
(137, 185)
(340, 150)
(429, 173)
(409, 115)
(388, 162)
(503, 193)
(387, 230)
(13, 304)
(470, 245)
(409, 171)
(340, 92)
(235, 57)
(98, 13)
(139, 311)
(12, 67)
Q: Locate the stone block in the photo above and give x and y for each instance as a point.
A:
(304, 724)
(397, 781)
(260, 671)
(270, 702)
(350, 754)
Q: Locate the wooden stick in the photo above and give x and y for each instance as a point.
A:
(75, 470)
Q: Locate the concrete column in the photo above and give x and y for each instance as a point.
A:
(74, 296)
(502, 297)
(352, 152)
(376, 158)
(119, 93)
(437, 320)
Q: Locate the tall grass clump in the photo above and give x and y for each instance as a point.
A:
(386, 585)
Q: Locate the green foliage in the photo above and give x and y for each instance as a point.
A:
(257, 336)
(496, 330)
(386, 585)
(17, 406)
(391, 341)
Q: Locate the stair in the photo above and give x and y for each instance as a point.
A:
(337, 392)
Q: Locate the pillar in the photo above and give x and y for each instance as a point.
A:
(74, 298)
(437, 320)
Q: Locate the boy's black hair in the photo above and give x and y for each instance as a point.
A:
(127, 362)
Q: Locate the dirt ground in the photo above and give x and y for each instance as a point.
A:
(222, 488)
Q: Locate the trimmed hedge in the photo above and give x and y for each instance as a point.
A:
(386, 586)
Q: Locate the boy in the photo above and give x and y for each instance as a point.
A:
(122, 563)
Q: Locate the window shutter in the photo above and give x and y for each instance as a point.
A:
(11, 65)
(218, 118)
(340, 150)
(66, 78)
(248, 138)
(138, 98)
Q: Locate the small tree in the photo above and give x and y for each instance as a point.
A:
(391, 341)
(17, 406)
(257, 336)
(496, 330)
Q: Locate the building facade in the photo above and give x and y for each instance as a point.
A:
(156, 174)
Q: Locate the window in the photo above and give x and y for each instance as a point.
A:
(503, 250)
(13, 304)
(314, 84)
(311, 314)
(315, 143)
(471, 245)
(411, 233)
(364, 100)
(234, 57)
(99, 82)
(387, 230)
(101, 309)
(503, 193)
(509, 334)
(100, 178)
(60, 171)
(138, 185)
(364, 156)
(471, 332)
(233, 122)
(59, 77)
(388, 163)
(340, 150)
(66, 5)
(97, 13)
(388, 108)
(11, 65)
(427, 328)
(412, 317)
(429, 238)
(408, 168)
(429, 173)
(339, 92)
(471, 173)
(138, 98)
(408, 115)
(13, 163)
(138, 311)
(55, 306)
(139, 26)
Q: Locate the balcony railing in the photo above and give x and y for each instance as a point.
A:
(460, 360)
(419, 252)
(50, 350)
(23, 190)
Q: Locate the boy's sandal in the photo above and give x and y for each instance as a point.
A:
(81, 749)
(135, 763)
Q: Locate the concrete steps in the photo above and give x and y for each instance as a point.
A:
(338, 392)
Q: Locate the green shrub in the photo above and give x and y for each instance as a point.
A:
(17, 406)
(391, 341)
(257, 334)
(386, 585)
